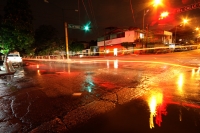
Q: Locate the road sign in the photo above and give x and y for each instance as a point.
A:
(72, 26)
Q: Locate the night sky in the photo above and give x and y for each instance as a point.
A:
(101, 14)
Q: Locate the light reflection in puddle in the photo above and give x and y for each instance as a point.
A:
(38, 72)
(193, 72)
(180, 83)
(88, 83)
(115, 64)
(76, 94)
(108, 64)
(198, 71)
(157, 108)
(157, 102)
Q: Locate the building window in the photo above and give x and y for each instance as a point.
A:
(141, 35)
(120, 35)
(100, 39)
(113, 36)
(107, 38)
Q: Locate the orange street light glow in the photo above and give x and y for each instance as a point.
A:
(157, 2)
(185, 21)
(164, 14)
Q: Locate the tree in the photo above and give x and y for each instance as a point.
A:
(183, 32)
(76, 46)
(46, 39)
(16, 27)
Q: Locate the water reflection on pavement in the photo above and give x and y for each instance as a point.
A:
(108, 96)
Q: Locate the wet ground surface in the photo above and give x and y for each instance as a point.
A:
(144, 94)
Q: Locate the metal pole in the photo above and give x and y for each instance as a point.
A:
(175, 34)
(104, 43)
(66, 40)
(143, 29)
(143, 21)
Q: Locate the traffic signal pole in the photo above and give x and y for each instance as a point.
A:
(66, 40)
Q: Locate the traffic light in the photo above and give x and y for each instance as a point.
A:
(87, 27)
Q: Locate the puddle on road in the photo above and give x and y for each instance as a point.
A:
(134, 117)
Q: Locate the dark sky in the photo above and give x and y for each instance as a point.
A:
(101, 13)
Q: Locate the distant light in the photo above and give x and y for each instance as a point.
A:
(46, 1)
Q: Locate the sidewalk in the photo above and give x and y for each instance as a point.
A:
(3, 72)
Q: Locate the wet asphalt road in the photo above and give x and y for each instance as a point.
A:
(145, 93)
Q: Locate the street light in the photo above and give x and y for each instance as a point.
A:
(164, 14)
(184, 21)
(154, 3)
(157, 2)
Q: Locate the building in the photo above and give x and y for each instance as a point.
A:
(121, 42)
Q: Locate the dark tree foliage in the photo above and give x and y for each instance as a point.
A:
(76, 46)
(16, 27)
(93, 43)
(184, 32)
(46, 39)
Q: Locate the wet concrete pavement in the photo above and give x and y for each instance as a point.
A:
(115, 95)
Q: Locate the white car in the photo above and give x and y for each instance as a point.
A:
(15, 59)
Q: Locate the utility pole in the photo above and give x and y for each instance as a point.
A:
(66, 39)
(143, 23)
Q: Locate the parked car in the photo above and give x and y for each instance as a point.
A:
(177, 47)
(15, 58)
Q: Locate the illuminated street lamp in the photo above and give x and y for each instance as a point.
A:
(157, 2)
(185, 21)
(164, 14)
(154, 3)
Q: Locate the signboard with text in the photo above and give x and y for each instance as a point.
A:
(187, 8)
(72, 26)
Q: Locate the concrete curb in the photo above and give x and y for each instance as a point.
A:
(3, 73)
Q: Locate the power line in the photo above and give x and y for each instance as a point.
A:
(93, 15)
(132, 11)
(86, 10)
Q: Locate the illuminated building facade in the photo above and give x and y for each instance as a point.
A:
(123, 42)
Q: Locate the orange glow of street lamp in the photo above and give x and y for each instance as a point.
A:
(164, 14)
(185, 21)
(157, 2)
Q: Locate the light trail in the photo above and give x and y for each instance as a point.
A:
(151, 62)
